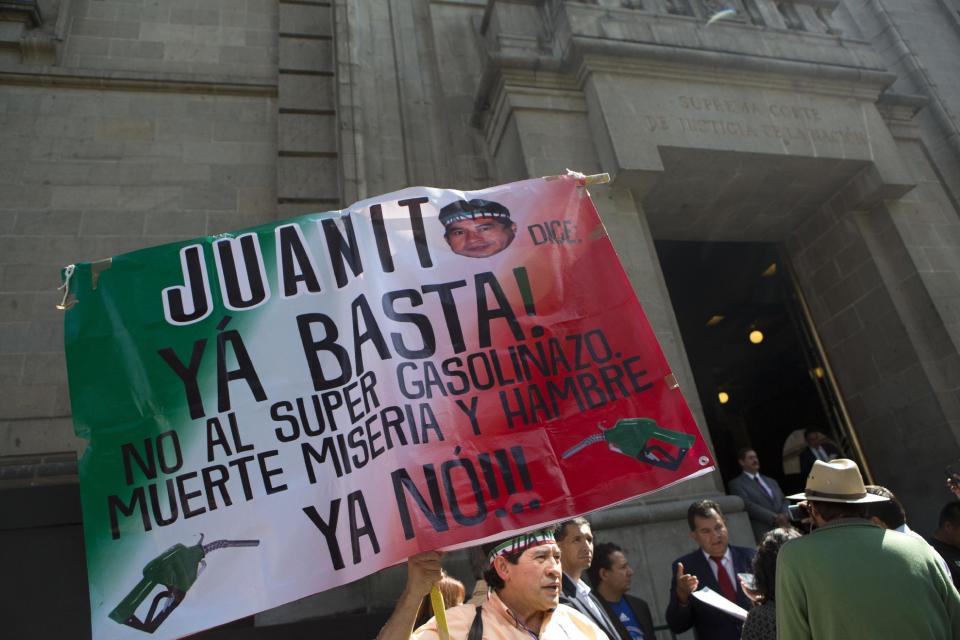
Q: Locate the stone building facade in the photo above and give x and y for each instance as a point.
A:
(832, 129)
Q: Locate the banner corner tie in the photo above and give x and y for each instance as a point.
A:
(65, 287)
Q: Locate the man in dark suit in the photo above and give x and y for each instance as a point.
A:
(575, 539)
(765, 502)
(610, 575)
(715, 565)
(818, 448)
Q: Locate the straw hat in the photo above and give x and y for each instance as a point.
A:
(836, 481)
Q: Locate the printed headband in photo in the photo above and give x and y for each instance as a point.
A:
(476, 208)
(518, 544)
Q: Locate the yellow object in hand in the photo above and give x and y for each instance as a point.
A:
(439, 612)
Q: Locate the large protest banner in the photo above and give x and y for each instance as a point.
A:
(300, 404)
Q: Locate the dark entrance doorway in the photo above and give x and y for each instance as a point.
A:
(755, 361)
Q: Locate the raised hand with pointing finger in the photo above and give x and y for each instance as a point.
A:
(686, 584)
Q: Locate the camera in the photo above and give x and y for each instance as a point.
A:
(798, 513)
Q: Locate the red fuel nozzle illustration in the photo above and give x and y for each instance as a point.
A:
(642, 439)
(176, 569)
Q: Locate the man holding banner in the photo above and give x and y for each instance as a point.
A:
(524, 601)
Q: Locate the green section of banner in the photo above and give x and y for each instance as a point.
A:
(122, 391)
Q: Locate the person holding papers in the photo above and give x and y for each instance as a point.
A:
(715, 566)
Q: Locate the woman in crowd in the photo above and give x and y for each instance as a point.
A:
(761, 623)
(453, 593)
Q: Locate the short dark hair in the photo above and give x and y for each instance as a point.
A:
(561, 531)
(765, 562)
(601, 560)
(490, 575)
(702, 509)
(743, 451)
(890, 512)
(808, 430)
(833, 510)
(950, 513)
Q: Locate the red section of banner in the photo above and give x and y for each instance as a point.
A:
(575, 406)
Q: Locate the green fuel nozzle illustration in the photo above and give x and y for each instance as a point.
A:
(642, 439)
(176, 569)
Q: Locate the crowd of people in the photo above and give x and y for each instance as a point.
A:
(839, 563)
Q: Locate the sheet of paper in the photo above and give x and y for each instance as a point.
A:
(708, 596)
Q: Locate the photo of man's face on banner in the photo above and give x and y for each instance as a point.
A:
(477, 228)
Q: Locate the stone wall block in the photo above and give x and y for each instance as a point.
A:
(97, 222)
(221, 221)
(178, 223)
(226, 131)
(239, 56)
(226, 153)
(874, 307)
(942, 284)
(242, 175)
(48, 222)
(841, 326)
(178, 174)
(209, 197)
(296, 54)
(842, 294)
(305, 19)
(90, 45)
(307, 178)
(45, 368)
(942, 258)
(35, 401)
(193, 17)
(292, 209)
(858, 370)
(307, 132)
(23, 197)
(306, 92)
(11, 367)
(868, 277)
(16, 306)
(136, 49)
(106, 28)
(8, 221)
(257, 200)
(40, 275)
(897, 352)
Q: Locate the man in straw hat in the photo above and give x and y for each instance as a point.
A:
(853, 579)
(523, 602)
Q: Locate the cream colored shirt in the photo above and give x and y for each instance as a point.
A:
(563, 623)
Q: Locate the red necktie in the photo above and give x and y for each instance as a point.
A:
(726, 585)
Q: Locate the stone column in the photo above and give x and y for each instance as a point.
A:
(882, 278)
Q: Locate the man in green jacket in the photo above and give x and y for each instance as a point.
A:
(850, 578)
